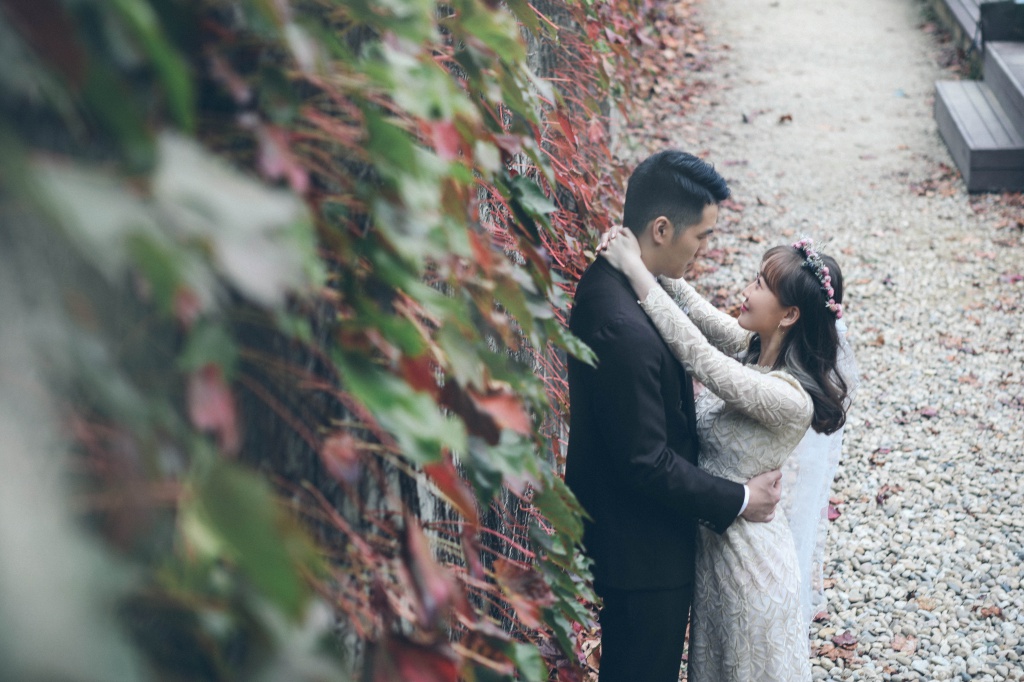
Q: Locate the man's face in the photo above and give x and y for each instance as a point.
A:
(684, 247)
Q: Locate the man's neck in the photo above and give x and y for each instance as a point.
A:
(647, 256)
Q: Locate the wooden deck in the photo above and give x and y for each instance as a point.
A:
(982, 122)
(988, 150)
(963, 17)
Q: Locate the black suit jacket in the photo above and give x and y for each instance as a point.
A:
(632, 458)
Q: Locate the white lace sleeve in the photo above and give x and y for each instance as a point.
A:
(721, 329)
(775, 400)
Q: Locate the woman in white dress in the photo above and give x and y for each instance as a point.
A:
(771, 375)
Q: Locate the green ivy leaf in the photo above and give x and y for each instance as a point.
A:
(160, 265)
(568, 341)
(528, 660)
(172, 68)
(462, 356)
(412, 417)
(240, 515)
(209, 342)
(559, 506)
(111, 101)
(562, 629)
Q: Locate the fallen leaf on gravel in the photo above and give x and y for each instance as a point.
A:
(907, 645)
(989, 611)
(877, 341)
(785, 118)
(845, 640)
(887, 491)
(833, 512)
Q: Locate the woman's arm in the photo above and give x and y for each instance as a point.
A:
(775, 400)
(721, 329)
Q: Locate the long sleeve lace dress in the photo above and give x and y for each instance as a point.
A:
(746, 623)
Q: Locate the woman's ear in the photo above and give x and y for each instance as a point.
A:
(790, 317)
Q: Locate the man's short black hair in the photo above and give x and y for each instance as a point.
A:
(673, 184)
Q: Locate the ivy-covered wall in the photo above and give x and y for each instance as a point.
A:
(284, 286)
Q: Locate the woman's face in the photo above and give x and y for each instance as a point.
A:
(761, 311)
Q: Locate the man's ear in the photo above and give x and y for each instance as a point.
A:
(661, 230)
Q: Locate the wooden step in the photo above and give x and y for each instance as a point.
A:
(983, 141)
(1001, 20)
(967, 15)
(1004, 73)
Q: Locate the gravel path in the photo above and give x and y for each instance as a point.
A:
(819, 114)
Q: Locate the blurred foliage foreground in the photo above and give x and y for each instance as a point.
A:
(282, 335)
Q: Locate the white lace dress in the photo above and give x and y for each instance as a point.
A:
(746, 624)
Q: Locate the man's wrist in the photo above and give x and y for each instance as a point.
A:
(746, 500)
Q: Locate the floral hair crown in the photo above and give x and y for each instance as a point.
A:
(813, 262)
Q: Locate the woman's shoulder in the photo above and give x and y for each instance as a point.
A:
(786, 376)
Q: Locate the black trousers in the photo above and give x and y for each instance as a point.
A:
(642, 634)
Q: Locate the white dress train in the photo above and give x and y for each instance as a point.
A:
(806, 482)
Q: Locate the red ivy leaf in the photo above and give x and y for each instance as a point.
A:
(187, 306)
(448, 481)
(401, 660)
(51, 32)
(276, 159)
(419, 374)
(477, 423)
(211, 406)
(341, 457)
(570, 134)
(505, 408)
(434, 587)
(471, 551)
(445, 138)
(525, 590)
(486, 414)
(482, 252)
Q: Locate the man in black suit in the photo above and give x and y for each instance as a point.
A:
(632, 457)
